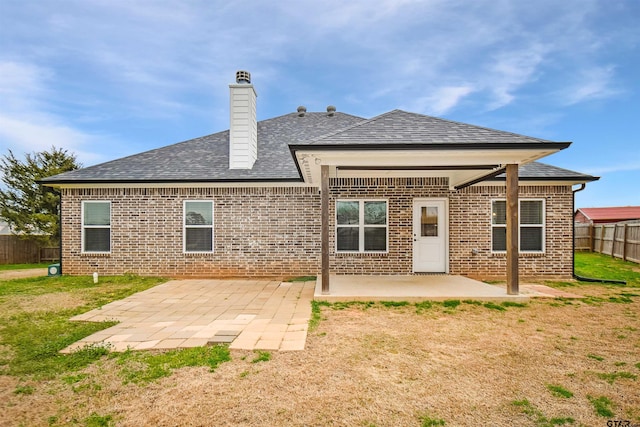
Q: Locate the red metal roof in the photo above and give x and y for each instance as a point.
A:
(612, 214)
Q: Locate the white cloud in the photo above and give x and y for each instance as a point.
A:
(510, 71)
(21, 85)
(25, 123)
(37, 135)
(442, 100)
(590, 84)
(621, 167)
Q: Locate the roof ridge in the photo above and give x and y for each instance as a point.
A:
(426, 119)
(473, 125)
(365, 121)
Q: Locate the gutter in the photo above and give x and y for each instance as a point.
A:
(573, 246)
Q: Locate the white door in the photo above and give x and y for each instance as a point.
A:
(429, 236)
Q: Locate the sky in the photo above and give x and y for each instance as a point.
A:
(105, 79)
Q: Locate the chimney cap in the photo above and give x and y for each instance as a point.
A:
(243, 77)
(331, 110)
(301, 110)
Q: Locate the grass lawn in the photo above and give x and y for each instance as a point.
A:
(546, 363)
(600, 266)
(6, 267)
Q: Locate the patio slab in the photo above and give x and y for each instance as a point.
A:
(193, 313)
(435, 287)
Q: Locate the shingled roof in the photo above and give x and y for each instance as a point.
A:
(206, 159)
(402, 127)
(536, 171)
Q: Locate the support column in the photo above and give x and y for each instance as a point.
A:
(512, 230)
(324, 203)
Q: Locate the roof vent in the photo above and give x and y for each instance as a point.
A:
(243, 77)
(331, 110)
(301, 111)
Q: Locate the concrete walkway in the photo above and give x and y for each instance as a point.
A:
(247, 314)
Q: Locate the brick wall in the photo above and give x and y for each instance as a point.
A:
(469, 228)
(275, 232)
(400, 193)
(258, 232)
(470, 209)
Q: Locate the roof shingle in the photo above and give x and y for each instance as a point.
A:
(206, 159)
(403, 127)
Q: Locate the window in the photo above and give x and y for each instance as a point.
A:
(429, 221)
(198, 226)
(96, 227)
(531, 227)
(361, 226)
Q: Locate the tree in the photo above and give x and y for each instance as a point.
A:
(30, 209)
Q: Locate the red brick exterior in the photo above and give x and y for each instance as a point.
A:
(275, 232)
(258, 232)
(469, 228)
(470, 209)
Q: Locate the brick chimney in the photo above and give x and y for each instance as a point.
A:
(243, 129)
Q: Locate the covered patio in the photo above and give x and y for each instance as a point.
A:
(462, 164)
(433, 287)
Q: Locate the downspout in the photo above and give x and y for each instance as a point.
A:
(573, 225)
(60, 228)
(573, 252)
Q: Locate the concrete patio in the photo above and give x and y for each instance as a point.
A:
(434, 287)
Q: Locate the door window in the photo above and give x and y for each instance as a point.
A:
(429, 221)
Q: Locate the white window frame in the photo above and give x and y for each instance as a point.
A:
(361, 226)
(542, 226)
(185, 226)
(84, 227)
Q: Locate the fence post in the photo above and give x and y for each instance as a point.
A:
(592, 238)
(624, 243)
(602, 238)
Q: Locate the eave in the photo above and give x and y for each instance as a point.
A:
(464, 164)
(172, 183)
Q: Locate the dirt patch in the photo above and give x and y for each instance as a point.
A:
(47, 302)
(386, 367)
(21, 274)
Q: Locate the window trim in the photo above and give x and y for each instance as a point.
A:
(184, 227)
(361, 226)
(542, 225)
(84, 226)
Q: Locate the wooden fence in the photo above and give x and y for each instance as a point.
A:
(620, 240)
(14, 250)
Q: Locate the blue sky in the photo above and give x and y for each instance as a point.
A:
(109, 78)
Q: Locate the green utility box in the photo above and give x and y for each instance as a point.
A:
(54, 270)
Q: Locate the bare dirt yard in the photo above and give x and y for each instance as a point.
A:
(458, 363)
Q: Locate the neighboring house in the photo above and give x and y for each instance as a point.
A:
(607, 215)
(5, 230)
(306, 193)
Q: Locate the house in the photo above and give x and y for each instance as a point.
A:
(5, 229)
(325, 192)
(607, 215)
